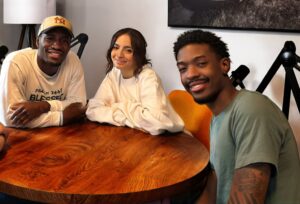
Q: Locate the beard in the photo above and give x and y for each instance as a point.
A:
(54, 64)
(206, 100)
(202, 98)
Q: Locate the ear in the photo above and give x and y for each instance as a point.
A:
(225, 65)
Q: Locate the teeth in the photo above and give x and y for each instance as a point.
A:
(120, 62)
(54, 51)
(197, 87)
(54, 55)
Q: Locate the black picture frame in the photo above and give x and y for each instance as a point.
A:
(264, 15)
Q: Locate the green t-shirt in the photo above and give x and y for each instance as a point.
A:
(253, 129)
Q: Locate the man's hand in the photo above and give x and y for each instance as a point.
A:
(73, 112)
(24, 112)
(3, 136)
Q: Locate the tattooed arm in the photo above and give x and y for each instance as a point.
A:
(250, 184)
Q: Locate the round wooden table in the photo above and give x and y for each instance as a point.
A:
(93, 163)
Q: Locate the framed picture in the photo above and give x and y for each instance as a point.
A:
(267, 15)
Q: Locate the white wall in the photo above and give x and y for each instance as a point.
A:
(101, 18)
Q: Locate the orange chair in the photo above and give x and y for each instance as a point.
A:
(195, 116)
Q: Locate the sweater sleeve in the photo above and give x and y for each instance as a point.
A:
(76, 91)
(100, 107)
(152, 113)
(13, 91)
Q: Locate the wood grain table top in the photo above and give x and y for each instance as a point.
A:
(92, 163)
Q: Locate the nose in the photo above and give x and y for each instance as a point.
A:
(192, 71)
(120, 53)
(56, 44)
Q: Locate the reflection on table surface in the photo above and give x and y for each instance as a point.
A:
(93, 163)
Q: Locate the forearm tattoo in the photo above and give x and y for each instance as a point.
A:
(250, 184)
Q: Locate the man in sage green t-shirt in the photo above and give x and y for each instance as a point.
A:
(253, 152)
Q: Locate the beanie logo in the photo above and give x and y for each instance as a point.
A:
(59, 20)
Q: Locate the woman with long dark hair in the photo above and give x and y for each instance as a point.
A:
(131, 94)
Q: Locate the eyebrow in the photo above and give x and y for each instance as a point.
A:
(52, 34)
(124, 46)
(193, 60)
